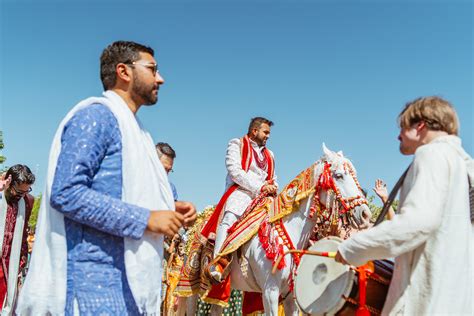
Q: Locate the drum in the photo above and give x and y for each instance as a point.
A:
(326, 287)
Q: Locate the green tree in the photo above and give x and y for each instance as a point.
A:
(34, 213)
(377, 209)
(2, 158)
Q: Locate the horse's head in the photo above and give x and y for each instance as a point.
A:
(338, 192)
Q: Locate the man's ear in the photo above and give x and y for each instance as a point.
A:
(420, 126)
(254, 132)
(123, 73)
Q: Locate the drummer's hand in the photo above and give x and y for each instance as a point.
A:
(340, 259)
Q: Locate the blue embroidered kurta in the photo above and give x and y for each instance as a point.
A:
(87, 189)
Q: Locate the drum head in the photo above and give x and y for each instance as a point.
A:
(321, 282)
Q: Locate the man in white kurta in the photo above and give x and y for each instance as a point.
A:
(431, 237)
(250, 183)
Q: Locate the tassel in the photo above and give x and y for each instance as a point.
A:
(363, 272)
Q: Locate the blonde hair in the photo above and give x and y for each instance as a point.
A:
(437, 113)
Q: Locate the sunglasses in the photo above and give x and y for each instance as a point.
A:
(152, 67)
(19, 192)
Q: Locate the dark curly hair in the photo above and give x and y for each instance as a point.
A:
(20, 174)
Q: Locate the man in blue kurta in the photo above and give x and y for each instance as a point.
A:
(107, 202)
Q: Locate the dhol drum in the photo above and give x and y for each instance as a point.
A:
(326, 287)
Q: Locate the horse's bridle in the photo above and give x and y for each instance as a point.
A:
(326, 182)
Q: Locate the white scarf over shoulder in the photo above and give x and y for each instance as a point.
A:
(14, 265)
(144, 183)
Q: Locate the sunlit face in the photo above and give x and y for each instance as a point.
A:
(16, 191)
(261, 135)
(146, 80)
(409, 138)
(167, 163)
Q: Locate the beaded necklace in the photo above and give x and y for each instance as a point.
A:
(261, 163)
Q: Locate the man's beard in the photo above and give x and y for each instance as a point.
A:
(144, 92)
(260, 141)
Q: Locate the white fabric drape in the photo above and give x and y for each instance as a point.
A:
(144, 183)
(13, 266)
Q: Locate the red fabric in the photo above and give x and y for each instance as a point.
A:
(220, 291)
(252, 303)
(271, 165)
(211, 225)
(12, 212)
(3, 287)
(363, 272)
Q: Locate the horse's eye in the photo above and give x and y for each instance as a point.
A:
(338, 176)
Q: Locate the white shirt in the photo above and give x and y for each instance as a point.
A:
(431, 238)
(249, 182)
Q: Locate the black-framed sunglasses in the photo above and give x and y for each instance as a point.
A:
(153, 67)
(18, 192)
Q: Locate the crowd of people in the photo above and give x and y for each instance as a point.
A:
(108, 204)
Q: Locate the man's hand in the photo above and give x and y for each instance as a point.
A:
(340, 259)
(5, 183)
(188, 210)
(165, 222)
(270, 189)
(381, 190)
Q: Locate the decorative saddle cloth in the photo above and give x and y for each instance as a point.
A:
(262, 211)
(271, 209)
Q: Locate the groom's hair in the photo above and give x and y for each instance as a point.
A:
(256, 122)
(20, 174)
(119, 52)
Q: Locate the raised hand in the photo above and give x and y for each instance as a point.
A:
(381, 190)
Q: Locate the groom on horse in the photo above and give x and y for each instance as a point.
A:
(250, 173)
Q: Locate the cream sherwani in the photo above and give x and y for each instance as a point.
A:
(250, 184)
(431, 238)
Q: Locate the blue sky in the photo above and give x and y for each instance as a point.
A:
(337, 72)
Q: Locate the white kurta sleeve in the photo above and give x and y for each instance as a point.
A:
(246, 180)
(420, 214)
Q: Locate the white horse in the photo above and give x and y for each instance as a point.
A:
(344, 197)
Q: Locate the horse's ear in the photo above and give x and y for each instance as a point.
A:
(328, 153)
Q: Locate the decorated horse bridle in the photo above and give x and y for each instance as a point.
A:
(341, 204)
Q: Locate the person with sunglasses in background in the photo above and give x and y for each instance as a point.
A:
(15, 210)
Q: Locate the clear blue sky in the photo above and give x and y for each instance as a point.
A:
(337, 72)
